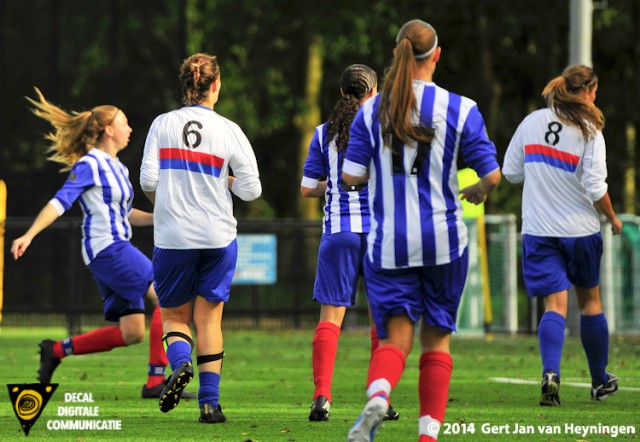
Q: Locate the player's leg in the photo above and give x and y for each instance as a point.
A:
(175, 273)
(122, 287)
(551, 331)
(442, 288)
(179, 343)
(594, 334)
(210, 348)
(324, 351)
(594, 330)
(390, 294)
(336, 283)
(215, 272)
(544, 267)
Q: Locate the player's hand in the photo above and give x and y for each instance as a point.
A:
(20, 246)
(475, 194)
(616, 226)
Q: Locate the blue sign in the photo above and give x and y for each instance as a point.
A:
(257, 259)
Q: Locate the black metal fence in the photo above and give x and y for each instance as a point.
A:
(50, 284)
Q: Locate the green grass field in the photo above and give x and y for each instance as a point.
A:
(267, 386)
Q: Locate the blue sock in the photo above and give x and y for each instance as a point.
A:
(177, 353)
(551, 339)
(209, 392)
(594, 334)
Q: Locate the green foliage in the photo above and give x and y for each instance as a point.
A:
(501, 54)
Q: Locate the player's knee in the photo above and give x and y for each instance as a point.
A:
(132, 337)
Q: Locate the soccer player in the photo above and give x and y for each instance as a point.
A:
(87, 143)
(405, 142)
(345, 225)
(559, 153)
(185, 172)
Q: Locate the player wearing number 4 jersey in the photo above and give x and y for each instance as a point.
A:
(559, 153)
(406, 141)
(185, 171)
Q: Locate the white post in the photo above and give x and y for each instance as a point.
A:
(580, 31)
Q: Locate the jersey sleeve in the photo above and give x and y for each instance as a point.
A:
(247, 185)
(513, 165)
(360, 149)
(314, 169)
(594, 168)
(150, 167)
(80, 179)
(477, 150)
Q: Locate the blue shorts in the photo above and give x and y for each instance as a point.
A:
(551, 265)
(339, 266)
(432, 293)
(123, 275)
(181, 275)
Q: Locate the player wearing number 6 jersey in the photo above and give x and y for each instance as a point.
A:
(185, 171)
(406, 141)
(559, 153)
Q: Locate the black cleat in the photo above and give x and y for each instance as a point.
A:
(170, 396)
(599, 392)
(392, 415)
(155, 392)
(211, 415)
(550, 389)
(320, 409)
(48, 361)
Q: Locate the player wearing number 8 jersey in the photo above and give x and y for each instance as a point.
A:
(185, 171)
(406, 141)
(559, 153)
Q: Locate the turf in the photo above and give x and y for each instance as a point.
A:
(267, 386)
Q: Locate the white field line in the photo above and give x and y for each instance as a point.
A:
(564, 384)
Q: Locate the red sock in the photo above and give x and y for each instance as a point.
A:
(325, 348)
(387, 363)
(375, 341)
(103, 339)
(435, 375)
(157, 354)
(423, 438)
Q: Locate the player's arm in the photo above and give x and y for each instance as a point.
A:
(477, 193)
(47, 215)
(606, 208)
(140, 218)
(310, 187)
(354, 173)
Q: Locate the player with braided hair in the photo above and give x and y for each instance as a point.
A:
(87, 143)
(185, 172)
(345, 225)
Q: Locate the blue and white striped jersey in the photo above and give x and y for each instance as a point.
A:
(346, 210)
(416, 214)
(101, 185)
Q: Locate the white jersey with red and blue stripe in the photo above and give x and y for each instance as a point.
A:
(563, 175)
(187, 156)
(346, 208)
(101, 185)
(416, 214)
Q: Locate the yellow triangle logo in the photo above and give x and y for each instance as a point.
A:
(28, 401)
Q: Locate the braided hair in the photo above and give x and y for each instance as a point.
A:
(356, 82)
